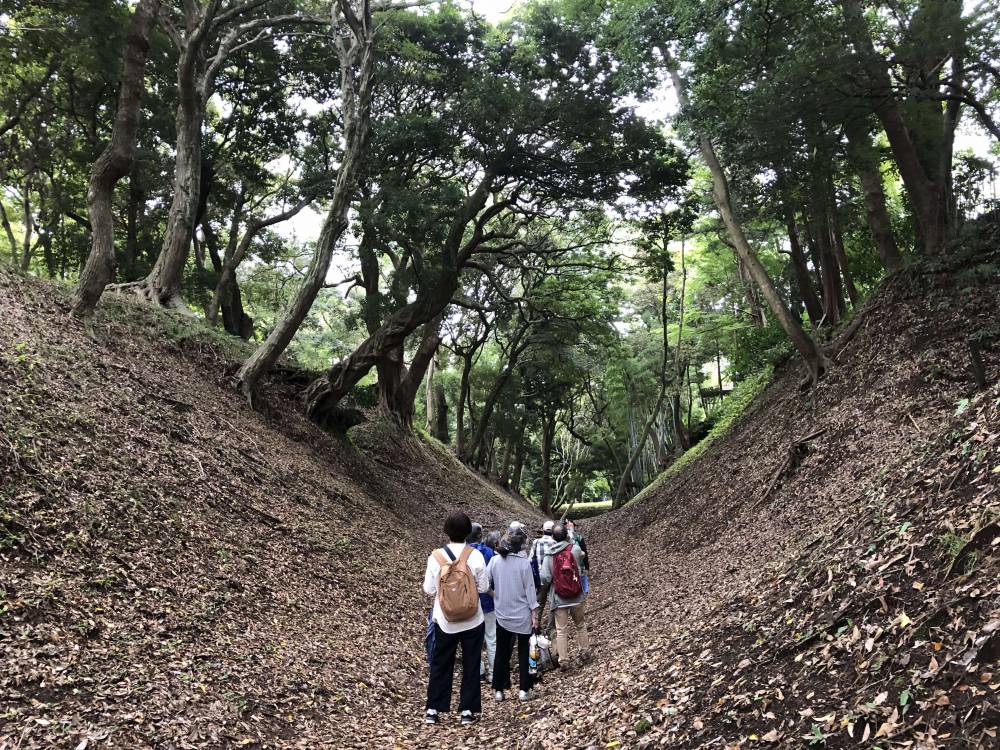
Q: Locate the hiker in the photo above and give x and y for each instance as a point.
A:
(536, 556)
(561, 582)
(455, 576)
(516, 603)
(475, 540)
(538, 548)
(575, 537)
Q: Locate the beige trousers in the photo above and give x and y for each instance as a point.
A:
(562, 635)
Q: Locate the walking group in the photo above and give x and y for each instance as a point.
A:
(494, 590)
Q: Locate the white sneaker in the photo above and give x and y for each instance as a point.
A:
(524, 695)
(498, 696)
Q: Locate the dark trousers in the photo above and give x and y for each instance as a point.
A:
(501, 663)
(443, 667)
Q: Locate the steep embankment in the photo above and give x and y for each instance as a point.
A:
(179, 571)
(847, 597)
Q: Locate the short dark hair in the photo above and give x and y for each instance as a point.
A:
(559, 533)
(457, 526)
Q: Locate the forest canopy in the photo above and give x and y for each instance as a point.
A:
(516, 249)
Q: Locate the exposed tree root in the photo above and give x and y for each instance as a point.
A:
(147, 292)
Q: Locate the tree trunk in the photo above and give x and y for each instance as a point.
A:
(488, 467)
(839, 251)
(236, 252)
(162, 286)
(29, 227)
(832, 293)
(390, 369)
(401, 402)
(9, 231)
(235, 320)
(718, 370)
(753, 304)
(548, 438)
(803, 281)
(924, 193)
(520, 453)
(325, 393)
(440, 425)
(517, 346)
(224, 267)
(865, 160)
(681, 440)
(463, 396)
(508, 451)
(54, 219)
(680, 362)
(133, 214)
(430, 403)
(357, 107)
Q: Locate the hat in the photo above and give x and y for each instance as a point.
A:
(548, 525)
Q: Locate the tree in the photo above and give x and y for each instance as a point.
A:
(813, 356)
(205, 35)
(925, 171)
(523, 156)
(114, 163)
(354, 35)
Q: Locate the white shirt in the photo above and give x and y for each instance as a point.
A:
(477, 566)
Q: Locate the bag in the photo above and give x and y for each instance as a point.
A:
(534, 655)
(429, 638)
(565, 574)
(457, 592)
(546, 662)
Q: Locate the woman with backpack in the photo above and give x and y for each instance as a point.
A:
(515, 604)
(455, 576)
(561, 574)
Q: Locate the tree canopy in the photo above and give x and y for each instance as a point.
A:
(511, 245)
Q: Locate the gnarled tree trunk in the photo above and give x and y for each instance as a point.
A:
(162, 286)
(357, 75)
(401, 401)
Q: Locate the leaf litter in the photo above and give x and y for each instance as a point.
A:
(177, 571)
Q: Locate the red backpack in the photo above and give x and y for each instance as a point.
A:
(565, 574)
